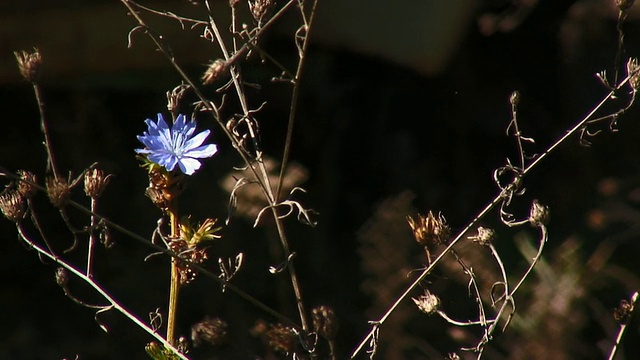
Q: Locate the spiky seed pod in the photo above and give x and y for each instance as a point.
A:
(485, 236)
(260, 9)
(58, 191)
(13, 205)
(539, 214)
(215, 70)
(95, 182)
(29, 64)
(211, 330)
(633, 71)
(26, 187)
(62, 277)
(281, 338)
(427, 303)
(429, 230)
(325, 322)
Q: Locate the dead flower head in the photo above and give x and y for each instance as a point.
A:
(58, 191)
(95, 182)
(427, 303)
(13, 205)
(214, 72)
(29, 64)
(25, 185)
(429, 230)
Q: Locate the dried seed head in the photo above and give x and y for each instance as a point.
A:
(157, 197)
(427, 303)
(325, 322)
(95, 182)
(215, 70)
(260, 9)
(62, 277)
(13, 205)
(623, 312)
(211, 330)
(485, 236)
(453, 356)
(624, 4)
(29, 64)
(280, 338)
(233, 3)
(26, 187)
(539, 214)
(429, 230)
(58, 191)
(633, 72)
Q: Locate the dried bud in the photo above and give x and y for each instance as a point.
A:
(623, 312)
(453, 356)
(633, 72)
(174, 96)
(325, 322)
(280, 338)
(485, 236)
(624, 4)
(13, 205)
(427, 303)
(157, 197)
(62, 277)
(429, 230)
(95, 182)
(514, 99)
(58, 191)
(539, 214)
(215, 70)
(233, 3)
(26, 187)
(211, 330)
(260, 9)
(29, 64)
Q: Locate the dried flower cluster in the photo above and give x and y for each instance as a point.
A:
(430, 230)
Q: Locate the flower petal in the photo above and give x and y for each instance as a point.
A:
(202, 152)
(189, 165)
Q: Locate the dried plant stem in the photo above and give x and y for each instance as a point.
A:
(174, 289)
(113, 303)
(496, 200)
(266, 183)
(623, 328)
(51, 164)
(307, 26)
(92, 237)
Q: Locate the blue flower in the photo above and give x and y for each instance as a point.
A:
(176, 145)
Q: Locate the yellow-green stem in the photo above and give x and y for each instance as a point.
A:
(174, 289)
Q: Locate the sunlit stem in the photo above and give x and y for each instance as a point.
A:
(174, 289)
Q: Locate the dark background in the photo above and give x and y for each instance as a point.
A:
(396, 116)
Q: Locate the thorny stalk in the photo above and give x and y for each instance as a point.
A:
(105, 294)
(503, 194)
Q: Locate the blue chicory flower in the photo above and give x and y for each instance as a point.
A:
(176, 145)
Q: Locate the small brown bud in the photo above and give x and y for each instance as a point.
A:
(514, 99)
(215, 70)
(58, 191)
(95, 182)
(624, 4)
(623, 312)
(539, 214)
(484, 237)
(281, 338)
(62, 277)
(233, 3)
(633, 72)
(429, 230)
(13, 205)
(29, 64)
(325, 322)
(260, 9)
(211, 330)
(427, 303)
(26, 187)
